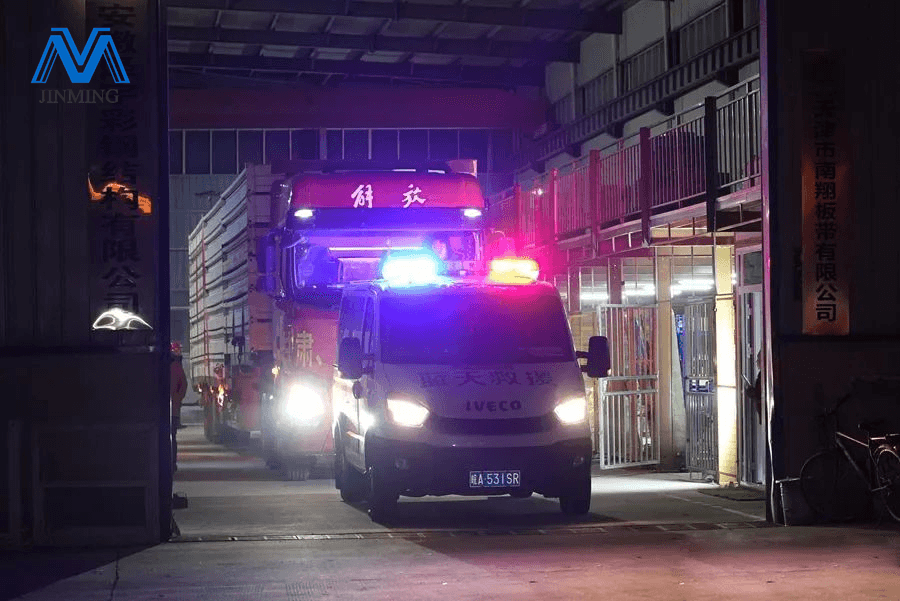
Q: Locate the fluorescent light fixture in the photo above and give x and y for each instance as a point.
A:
(405, 170)
(643, 290)
(700, 285)
(303, 213)
(594, 296)
(472, 213)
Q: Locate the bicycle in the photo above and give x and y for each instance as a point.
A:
(826, 481)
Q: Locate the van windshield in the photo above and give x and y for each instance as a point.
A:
(475, 327)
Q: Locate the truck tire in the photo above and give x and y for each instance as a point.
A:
(577, 501)
(215, 432)
(207, 422)
(346, 478)
(269, 446)
(268, 441)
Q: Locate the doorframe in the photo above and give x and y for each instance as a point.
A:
(740, 289)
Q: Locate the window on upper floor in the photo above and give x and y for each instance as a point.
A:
(443, 144)
(176, 152)
(413, 144)
(278, 146)
(250, 147)
(224, 152)
(384, 144)
(334, 144)
(305, 144)
(473, 144)
(356, 144)
(196, 150)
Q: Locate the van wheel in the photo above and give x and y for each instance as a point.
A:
(382, 500)
(346, 478)
(578, 500)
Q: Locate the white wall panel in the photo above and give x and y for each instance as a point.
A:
(642, 24)
(560, 80)
(685, 10)
(598, 53)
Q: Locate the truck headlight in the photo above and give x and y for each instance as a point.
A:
(571, 411)
(303, 403)
(407, 413)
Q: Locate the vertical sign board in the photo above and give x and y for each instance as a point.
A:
(826, 196)
(123, 159)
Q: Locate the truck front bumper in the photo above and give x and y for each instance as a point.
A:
(418, 469)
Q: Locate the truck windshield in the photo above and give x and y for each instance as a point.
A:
(474, 327)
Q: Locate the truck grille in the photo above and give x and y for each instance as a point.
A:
(492, 427)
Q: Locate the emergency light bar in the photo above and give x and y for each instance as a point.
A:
(411, 268)
(514, 271)
(303, 213)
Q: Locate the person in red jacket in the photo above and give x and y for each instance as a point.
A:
(177, 390)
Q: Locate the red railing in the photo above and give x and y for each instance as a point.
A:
(619, 176)
(678, 170)
(503, 210)
(628, 180)
(529, 198)
(573, 207)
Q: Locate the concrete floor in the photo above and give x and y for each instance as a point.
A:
(231, 493)
(249, 535)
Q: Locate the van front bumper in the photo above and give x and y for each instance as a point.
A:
(417, 469)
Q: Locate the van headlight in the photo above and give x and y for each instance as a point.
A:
(303, 403)
(571, 411)
(407, 413)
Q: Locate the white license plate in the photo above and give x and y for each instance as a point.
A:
(501, 479)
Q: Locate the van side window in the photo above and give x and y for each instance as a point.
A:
(368, 339)
(351, 317)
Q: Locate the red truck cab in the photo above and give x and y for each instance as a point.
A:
(335, 226)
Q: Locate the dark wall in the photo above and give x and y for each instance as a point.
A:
(811, 372)
(355, 107)
(44, 249)
(91, 405)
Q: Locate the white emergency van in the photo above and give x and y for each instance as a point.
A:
(446, 386)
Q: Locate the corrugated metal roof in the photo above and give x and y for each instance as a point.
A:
(502, 43)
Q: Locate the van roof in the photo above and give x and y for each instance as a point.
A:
(382, 287)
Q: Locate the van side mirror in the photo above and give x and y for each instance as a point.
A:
(598, 361)
(350, 359)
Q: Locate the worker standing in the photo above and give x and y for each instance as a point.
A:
(177, 390)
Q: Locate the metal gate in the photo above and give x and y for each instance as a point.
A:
(627, 422)
(699, 369)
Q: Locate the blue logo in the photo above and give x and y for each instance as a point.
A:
(80, 65)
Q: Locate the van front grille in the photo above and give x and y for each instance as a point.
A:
(492, 427)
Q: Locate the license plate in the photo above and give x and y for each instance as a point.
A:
(502, 479)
